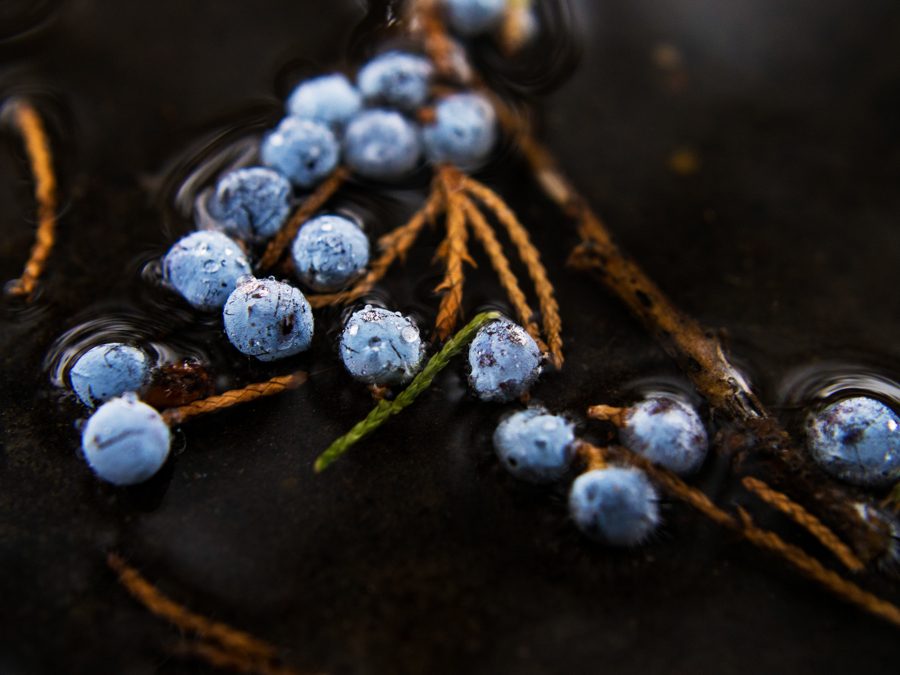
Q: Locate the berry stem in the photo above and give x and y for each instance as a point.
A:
(594, 458)
(40, 157)
(385, 409)
(608, 413)
(251, 392)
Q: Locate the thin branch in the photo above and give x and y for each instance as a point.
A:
(764, 539)
(485, 234)
(806, 520)
(251, 392)
(315, 201)
(532, 259)
(223, 658)
(159, 604)
(40, 158)
(454, 252)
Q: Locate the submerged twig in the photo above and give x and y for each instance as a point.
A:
(306, 210)
(385, 409)
(223, 658)
(531, 257)
(514, 30)
(806, 520)
(237, 641)
(764, 539)
(454, 252)
(227, 399)
(485, 234)
(40, 158)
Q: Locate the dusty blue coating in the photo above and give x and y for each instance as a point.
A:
(534, 445)
(251, 203)
(329, 252)
(268, 319)
(857, 440)
(125, 441)
(396, 80)
(381, 347)
(617, 506)
(109, 370)
(463, 133)
(668, 432)
(472, 17)
(204, 268)
(382, 144)
(330, 99)
(303, 150)
(504, 360)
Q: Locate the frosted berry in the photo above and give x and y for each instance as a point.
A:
(251, 203)
(534, 445)
(617, 506)
(329, 252)
(463, 133)
(268, 319)
(382, 144)
(504, 360)
(303, 150)
(125, 441)
(204, 268)
(381, 347)
(109, 370)
(857, 440)
(329, 99)
(666, 431)
(396, 80)
(473, 17)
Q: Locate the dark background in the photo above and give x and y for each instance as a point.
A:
(416, 553)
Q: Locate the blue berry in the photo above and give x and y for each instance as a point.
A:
(329, 252)
(505, 361)
(329, 99)
(125, 441)
(396, 80)
(534, 445)
(666, 431)
(381, 347)
(472, 17)
(857, 440)
(268, 319)
(617, 506)
(251, 203)
(109, 370)
(303, 150)
(204, 268)
(382, 144)
(463, 133)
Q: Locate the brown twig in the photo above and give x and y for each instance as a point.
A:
(764, 539)
(591, 456)
(425, 17)
(453, 251)
(485, 234)
(531, 257)
(236, 641)
(806, 520)
(234, 397)
(40, 157)
(608, 413)
(223, 658)
(394, 246)
(307, 209)
(514, 28)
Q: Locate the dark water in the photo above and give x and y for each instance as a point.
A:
(416, 553)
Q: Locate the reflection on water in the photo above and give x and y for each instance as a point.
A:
(821, 383)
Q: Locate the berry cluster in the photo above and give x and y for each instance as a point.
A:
(380, 126)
